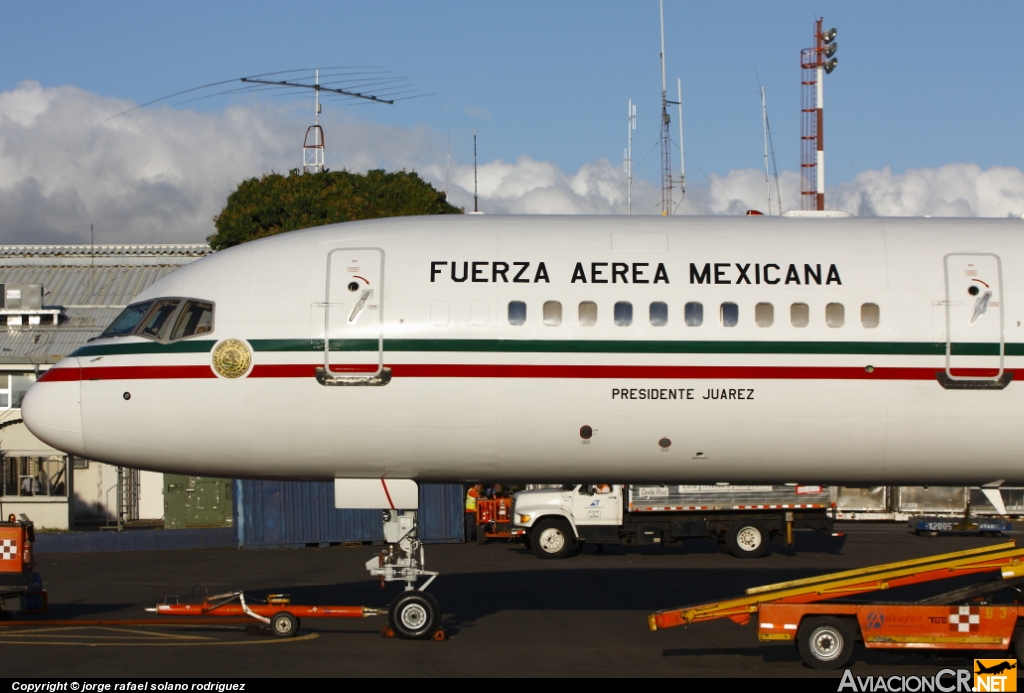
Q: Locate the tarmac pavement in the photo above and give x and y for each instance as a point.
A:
(506, 612)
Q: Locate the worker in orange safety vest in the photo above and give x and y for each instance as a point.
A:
(472, 494)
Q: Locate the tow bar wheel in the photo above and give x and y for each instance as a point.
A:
(825, 642)
(414, 615)
(283, 624)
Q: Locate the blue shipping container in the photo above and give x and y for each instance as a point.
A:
(274, 514)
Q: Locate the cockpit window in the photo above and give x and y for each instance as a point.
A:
(128, 320)
(154, 323)
(163, 319)
(196, 318)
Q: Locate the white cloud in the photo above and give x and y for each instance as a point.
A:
(956, 190)
(160, 175)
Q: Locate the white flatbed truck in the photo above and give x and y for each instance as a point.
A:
(743, 519)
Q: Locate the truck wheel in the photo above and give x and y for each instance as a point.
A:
(283, 624)
(552, 539)
(481, 534)
(414, 615)
(1018, 645)
(825, 642)
(747, 540)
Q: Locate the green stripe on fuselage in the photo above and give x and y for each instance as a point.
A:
(188, 346)
(566, 346)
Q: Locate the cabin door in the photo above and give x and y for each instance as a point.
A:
(974, 317)
(354, 312)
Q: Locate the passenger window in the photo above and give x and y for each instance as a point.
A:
(730, 314)
(870, 315)
(659, 314)
(516, 313)
(588, 313)
(196, 318)
(835, 315)
(623, 314)
(439, 313)
(693, 314)
(764, 314)
(128, 320)
(552, 313)
(799, 315)
(154, 323)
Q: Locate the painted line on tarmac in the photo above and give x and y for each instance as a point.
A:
(168, 639)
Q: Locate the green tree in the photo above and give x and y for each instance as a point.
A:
(274, 203)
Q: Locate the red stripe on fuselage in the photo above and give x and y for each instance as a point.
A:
(431, 370)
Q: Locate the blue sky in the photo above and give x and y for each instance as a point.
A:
(919, 83)
(922, 115)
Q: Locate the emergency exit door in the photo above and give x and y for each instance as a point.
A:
(974, 317)
(354, 313)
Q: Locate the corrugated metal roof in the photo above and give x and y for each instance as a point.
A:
(90, 283)
(183, 250)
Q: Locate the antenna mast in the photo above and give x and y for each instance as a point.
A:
(313, 148)
(682, 159)
(476, 209)
(767, 180)
(815, 63)
(666, 146)
(629, 156)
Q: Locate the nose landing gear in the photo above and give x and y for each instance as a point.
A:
(415, 614)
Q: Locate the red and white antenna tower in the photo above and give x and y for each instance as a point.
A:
(815, 63)
(313, 144)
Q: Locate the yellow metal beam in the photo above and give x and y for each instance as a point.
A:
(1005, 557)
(880, 568)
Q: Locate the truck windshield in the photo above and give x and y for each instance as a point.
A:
(125, 323)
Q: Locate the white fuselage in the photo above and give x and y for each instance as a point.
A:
(833, 378)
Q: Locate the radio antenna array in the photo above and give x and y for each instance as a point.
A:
(666, 139)
(357, 85)
(666, 145)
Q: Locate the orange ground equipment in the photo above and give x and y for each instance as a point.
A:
(21, 590)
(962, 619)
(408, 616)
(493, 519)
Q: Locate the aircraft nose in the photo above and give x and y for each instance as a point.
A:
(52, 408)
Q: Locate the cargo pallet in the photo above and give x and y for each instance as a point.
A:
(493, 519)
(825, 630)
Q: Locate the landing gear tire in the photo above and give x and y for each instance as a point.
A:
(825, 642)
(552, 539)
(747, 540)
(414, 615)
(284, 625)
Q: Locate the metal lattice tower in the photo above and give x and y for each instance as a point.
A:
(666, 142)
(313, 143)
